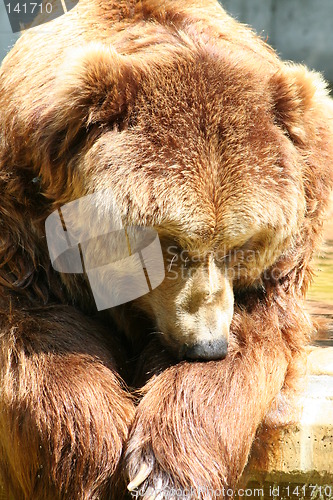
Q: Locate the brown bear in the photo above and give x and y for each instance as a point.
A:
(205, 136)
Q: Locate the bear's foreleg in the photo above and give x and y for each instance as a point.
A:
(195, 425)
(64, 414)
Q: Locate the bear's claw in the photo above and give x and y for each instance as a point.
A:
(141, 476)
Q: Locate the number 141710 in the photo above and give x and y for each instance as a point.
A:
(29, 8)
(325, 492)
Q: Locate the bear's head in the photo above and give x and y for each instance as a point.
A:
(218, 149)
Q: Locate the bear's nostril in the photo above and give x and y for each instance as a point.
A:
(207, 350)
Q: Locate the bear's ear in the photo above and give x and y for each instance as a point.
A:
(94, 85)
(304, 110)
(296, 91)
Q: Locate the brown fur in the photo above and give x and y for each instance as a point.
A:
(203, 133)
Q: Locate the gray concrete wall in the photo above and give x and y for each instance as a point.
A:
(7, 39)
(300, 30)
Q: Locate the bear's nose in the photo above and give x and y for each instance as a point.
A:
(207, 350)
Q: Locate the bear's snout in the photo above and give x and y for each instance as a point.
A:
(207, 350)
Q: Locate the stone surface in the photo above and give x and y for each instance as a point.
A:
(302, 453)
